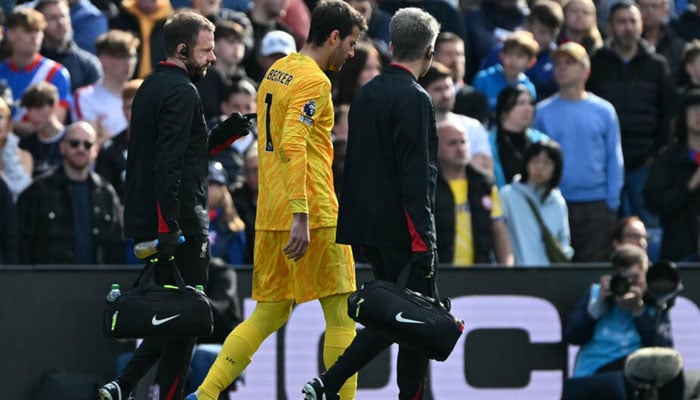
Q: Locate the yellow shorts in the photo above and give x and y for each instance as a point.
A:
(327, 268)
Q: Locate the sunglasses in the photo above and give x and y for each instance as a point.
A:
(74, 144)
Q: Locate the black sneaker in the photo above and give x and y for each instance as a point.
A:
(316, 390)
(113, 391)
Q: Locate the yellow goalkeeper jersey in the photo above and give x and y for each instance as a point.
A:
(295, 152)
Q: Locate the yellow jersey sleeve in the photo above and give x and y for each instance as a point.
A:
(295, 153)
(496, 210)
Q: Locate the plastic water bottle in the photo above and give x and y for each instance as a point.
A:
(199, 288)
(114, 292)
(147, 249)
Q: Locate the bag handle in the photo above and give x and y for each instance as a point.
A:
(402, 281)
(146, 277)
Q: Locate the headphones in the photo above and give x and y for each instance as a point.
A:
(184, 52)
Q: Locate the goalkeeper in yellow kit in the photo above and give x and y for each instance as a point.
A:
(296, 258)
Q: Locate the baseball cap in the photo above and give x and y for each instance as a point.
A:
(217, 173)
(276, 42)
(575, 51)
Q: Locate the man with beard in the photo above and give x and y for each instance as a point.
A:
(71, 215)
(295, 256)
(166, 186)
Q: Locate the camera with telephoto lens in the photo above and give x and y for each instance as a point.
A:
(621, 283)
(663, 284)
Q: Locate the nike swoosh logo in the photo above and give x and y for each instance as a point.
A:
(400, 318)
(155, 321)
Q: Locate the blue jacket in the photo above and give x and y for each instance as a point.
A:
(523, 229)
(492, 80)
(612, 334)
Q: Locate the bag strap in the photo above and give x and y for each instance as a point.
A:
(537, 215)
(402, 280)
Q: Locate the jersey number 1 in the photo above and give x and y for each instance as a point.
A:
(268, 136)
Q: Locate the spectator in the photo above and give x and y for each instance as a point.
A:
(544, 22)
(58, 45)
(72, 215)
(264, 16)
(630, 230)
(609, 325)
(97, 103)
(687, 24)
(88, 23)
(229, 48)
(438, 83)
(659, 35)
(638, 84)
(111, 160)
(8, 229)
(487, 25)
(340, 121)
(468, 218)
(145, 19)
(215, 13)
(445, 12)
(449, 51)
(581, 25)
(245, 199)
(365, 65)
(41, 103)
(590, 141)
(16, 164)
(691, 64)
(298, 17)
(240, 97)
(26, 66)
(519, 53)
(377, 22)
(534, 198)
(226, 228)
(275, 45)
(513, 136)
(673, 188)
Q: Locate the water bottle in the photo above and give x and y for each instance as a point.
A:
(114, 293)
(147, 249)
(199, 288)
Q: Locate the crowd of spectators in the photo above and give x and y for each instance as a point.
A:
(557, 120)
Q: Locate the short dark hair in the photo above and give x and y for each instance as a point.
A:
(39, 95)
(446, 37)
(42, 4)
(691, 51)
(548, 13)
(621, 5)
(183, 27)
(553, 151)
(27, 18)
(436, 71)
(628, 255)
(618, 232)
(116, 43)
(229, 30)
(240, 86)
(333, 15)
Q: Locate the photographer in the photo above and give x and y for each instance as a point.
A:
(616, 317)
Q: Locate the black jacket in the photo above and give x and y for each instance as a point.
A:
(671, 46)
(641, 92)
(46, 222)
(167, 167)
(390, 167)
(666, 194)
(8, 228)
(111, 161)
(482, 234)
(166, 185)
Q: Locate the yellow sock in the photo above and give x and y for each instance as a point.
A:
(240, 345)
(340, 331)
